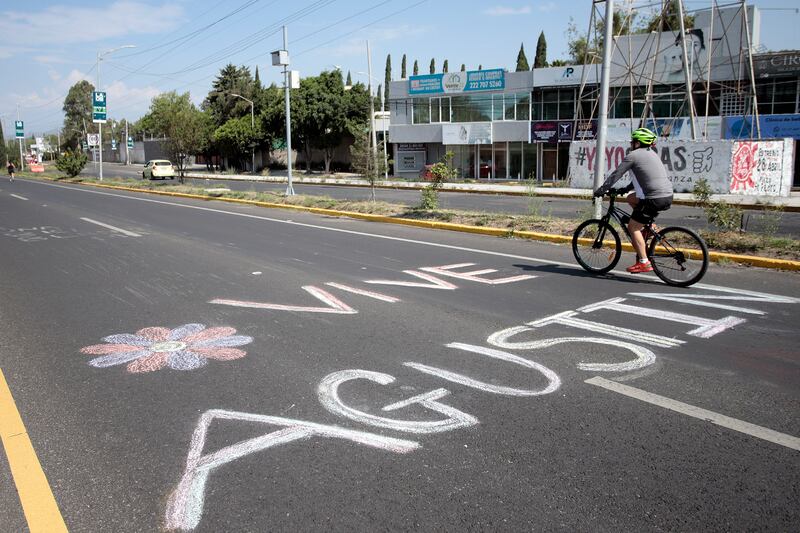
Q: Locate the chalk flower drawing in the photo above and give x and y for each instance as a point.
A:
(184, 348)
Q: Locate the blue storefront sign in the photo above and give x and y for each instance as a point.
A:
(457, 82)
(772, 127)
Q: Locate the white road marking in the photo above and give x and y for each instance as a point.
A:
(335, 305)
(362, 292)
(697, 412)
(18, 196)
(570, 265)
(112, 228)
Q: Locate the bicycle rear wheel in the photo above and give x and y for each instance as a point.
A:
(679, 256)
(592, 247)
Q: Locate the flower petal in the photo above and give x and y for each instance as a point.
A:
(127, 338)
(185, 360)
(220, 354)
(155, 361)
(154, 334)
(185, 330)
(210, 333)
(117, 358)
(232, 340)
(98, 349)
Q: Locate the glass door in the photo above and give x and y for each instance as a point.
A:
(485, 161)
(500, 161)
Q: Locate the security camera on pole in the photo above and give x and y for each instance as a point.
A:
(291, 81)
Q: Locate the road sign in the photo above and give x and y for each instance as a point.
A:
(84, 145)
(113, 144)
(20, 127)
(130, 142)
(93, 139)
(99, 107)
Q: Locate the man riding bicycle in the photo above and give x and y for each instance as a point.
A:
(653, 191)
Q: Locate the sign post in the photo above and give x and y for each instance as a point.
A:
(19, 127)
(99, 115)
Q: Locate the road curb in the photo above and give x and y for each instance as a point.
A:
(538, 193)
(753, 260)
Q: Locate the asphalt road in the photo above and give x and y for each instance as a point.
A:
(786, 223)
(273, 370)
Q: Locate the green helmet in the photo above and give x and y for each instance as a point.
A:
(644, 136)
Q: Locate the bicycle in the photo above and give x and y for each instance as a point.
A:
(678, 255)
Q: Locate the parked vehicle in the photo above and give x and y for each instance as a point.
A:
(158, 168)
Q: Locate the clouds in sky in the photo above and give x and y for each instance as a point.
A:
(502, 11)
(66, 24)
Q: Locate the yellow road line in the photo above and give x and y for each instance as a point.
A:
(39, 505)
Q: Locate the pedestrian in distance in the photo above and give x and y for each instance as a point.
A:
(11, 169)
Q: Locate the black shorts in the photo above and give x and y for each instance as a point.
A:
(648, 209)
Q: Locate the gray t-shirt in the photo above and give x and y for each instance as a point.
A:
(649, 175)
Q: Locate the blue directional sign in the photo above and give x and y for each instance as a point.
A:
(113, 144)
(99, 107)
(130, 142)
(20, 127)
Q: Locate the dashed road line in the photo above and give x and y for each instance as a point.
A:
(697, 412)
(113, 228)
(38, 503)
(18, 196)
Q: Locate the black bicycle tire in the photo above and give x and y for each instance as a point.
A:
(617, 246)
(701, 244)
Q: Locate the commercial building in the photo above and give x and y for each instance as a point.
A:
(519, 125)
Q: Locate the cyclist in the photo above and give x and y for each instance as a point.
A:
(653, 191)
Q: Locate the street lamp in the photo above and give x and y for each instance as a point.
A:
(383, 122)
(252, 125)
(100, 57)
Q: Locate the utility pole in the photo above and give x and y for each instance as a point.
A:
(284, 62)
(383, 123)
(127, 150)
(100, 124)
(372, 111)
(602, 113)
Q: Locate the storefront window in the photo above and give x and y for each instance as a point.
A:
(515, 160)
(445, 109)
(472, 108)
(422, 111)
(523, 106)
(566, 104)
(529, 160)
(500, 161)
(550, 104)
(510, 102)
(463, 160)
(497, 107)
(435, 117)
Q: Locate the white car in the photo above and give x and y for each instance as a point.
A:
(158, 168)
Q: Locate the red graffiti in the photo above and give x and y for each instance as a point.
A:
(742, 165)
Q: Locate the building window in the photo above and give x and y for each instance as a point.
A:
(422, 111)
(550, 104)
(497, 106)
(523, 106)
(445, 106)
(510, 103)
(566, 104)
(440, 109)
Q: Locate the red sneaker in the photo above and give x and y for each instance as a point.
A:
(640, 268)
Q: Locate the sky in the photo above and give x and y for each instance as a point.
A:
(47, 46)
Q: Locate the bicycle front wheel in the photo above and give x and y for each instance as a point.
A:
(596, 246)
(679, 256)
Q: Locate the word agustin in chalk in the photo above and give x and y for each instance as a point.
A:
(185, 504)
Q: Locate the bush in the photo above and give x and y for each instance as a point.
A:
(720, 213)
(441, 172)
(71, 163)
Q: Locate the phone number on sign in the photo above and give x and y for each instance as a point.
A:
(491, 84)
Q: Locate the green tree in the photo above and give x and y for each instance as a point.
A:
(236, 138)
(416, 68)
(463, 67)
(583, 50)
(349, 81)
(522, 60)
(403, 68)
(445, 67)
(3, 149)
(387, 77)
(219, 103)
(480, 67)
(77, 114)
(363, 160)
(559, 63)
(433, 66)
(257, 81)
(670, 21)
(441, 172)
(71, 163)
(540, 61)
(186, 130)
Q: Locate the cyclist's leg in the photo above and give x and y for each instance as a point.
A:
(632, 200)
(641, 216)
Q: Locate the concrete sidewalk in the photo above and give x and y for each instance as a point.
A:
(791, 203)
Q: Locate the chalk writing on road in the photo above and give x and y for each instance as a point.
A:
(185, 505)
